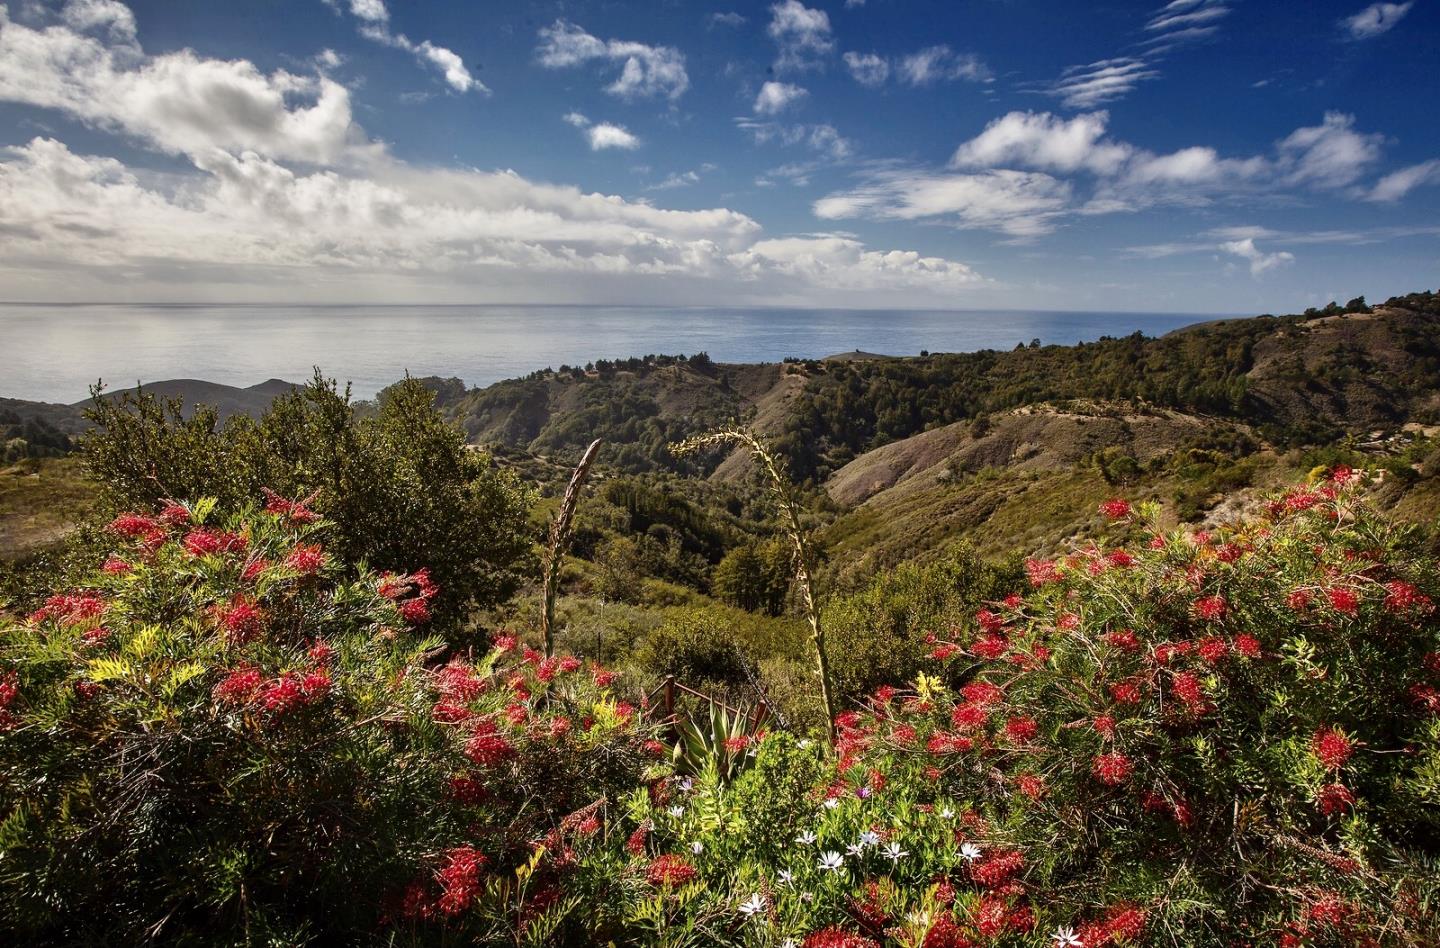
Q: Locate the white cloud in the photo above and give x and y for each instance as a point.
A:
(1375, 19)
(1016, 203)
(1397, 184)
(845, 264)
(376, 27)
(604, 135)
(1044, 141)
(177, 102)
(1188, 16)
(941, 63)
(775, 97)
(802, 35)
(1084, 87)
(728, 18)
(1331, 154)
(645, 71)
(111, 15)
(823, 138)
(576, 119)
(1260, 262)
(868, 69)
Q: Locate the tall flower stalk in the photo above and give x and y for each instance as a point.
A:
(560, 535)
(788, 504)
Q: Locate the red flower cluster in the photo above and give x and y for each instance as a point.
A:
(241, 620)
(295, 511)
(70, 608)
(1211, 608)
(837, 938)
(306, 559)
(1112, 769)
(206, 542)
(1116, 509)
(459, 878)
(670, 870)
(486, 747)
(1331, 747)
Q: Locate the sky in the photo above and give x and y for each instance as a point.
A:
(1192, 156)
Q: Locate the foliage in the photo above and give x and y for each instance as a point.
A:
(1218, 739)
(718, 743)
(224, 737)
(399, 484)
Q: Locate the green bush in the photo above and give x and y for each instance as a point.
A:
(400, 485)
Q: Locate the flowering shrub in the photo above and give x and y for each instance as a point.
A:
(218, 737)
(1228, 738)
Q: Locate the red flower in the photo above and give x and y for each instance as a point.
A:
(1343, 601)
(505, 643)
(1335, 798)
(969, 717)
(837, 938)
(253, 569)
(738, 744)
(635, 844)
(1104, 725)
(1125, 922)
(241, 620)
(1116, 509)
(133, 525)
(1211, 608)
(1331, 747)
(305, 559)
(9, 689)
(487, 748)
(207, 542)
(294, 511)
(670, 870)
(990, 647)
(982, 693)
(1401, 596)
(1021, 729)
(989, 621)
(459, 878)
(992, 916)
(1040, 572)
(175, 514)
(238, 687)
(944, 933)
(1299, 600)
(1112, 769)
(1212, 649)
(1124, 640)
(1125, 692)
(997, 867)
(1188, 689)
(1328, 908)
(1031, 785)
(943, 651)
(415, 611)
(1247, 645)
(1119, 559)
(115, 566)
(320, 652)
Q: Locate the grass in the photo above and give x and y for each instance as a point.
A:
(40, 502)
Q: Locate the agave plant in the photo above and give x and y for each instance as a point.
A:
(722, 740)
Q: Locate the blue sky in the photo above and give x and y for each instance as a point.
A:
(1197, 155)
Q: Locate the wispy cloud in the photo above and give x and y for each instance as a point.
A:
(868, 69)
(1260, 261)
(1084, 87)
(728, 18)
(645, 71)
(1374, 20)
(375, 25)
(939, 64)
(1397, 184)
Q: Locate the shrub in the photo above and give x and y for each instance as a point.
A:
(1219, 739)
(399, 484)
(222, 737)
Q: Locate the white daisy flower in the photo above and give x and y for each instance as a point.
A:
(677, 811)
(752, 906)
(970, 852)
(697, 847)
(855, 849)
(830, 861)
(1066, 938)
(787, 877)
(947, 814)
(893, 852)
(831, 803)
(869, 838)
(806, 838)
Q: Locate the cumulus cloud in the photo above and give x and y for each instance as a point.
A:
(939, 64)
(1024, 156)
(375, 25)
(90, 68)
(602, 135)
(1397, 184)
(1375, 19)
(844, 263)
(645, 71)
(775, 97)
(802, 35)
(868, 69)
(1260, 261)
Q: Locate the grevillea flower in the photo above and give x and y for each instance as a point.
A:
(1335, 798)
(738, 744)
(9, 689)
(175, 515)
(1328, 908)
(487, 748)
(670, 870)
(837, 938)
(294, 511)
(241, 620)
(505, 643)
(116, 566)
(1112, 769)
(1401, 596)
(1331, 747)
(415, 611)
(1031, 785)
(306, 558)
(1119, 559)
(997, 867)
(1211, 608)
(1299, 600)
(1343, 601)
(133, 525)
(253, 569)
(1125, 692)
(459, 878)
(989, 621)
(982, 693)
(1212, 649)
(1248, 646)
(1116, 509)
(991, 647)
(1124, 639)
(1104, 725)
(1040, 572)
(969, 717)
(1186, 686)
(207, 542)
(1124, 922)
(943, 651)
(71, 608)
(238, 687)
(1021, 729)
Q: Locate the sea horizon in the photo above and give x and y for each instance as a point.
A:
(66, 347)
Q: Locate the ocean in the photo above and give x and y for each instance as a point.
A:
(55, 352)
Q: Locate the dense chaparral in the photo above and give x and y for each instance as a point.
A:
(1226, 737)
